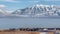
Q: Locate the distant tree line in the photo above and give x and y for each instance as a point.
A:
(32, 29)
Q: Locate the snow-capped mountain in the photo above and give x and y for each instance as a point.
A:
(33, 11)
(38, 11)
(2, 13)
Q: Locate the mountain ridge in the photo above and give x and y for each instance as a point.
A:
(33, 11)
(38, 11)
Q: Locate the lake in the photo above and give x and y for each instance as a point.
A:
(6, 23)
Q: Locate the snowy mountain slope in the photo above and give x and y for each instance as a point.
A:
(4, 13)
(38, 11)
(33, 11)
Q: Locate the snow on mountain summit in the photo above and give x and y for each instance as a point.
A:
(33, 11)
(39, 10)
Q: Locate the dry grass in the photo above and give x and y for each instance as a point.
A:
(22, 32)
(19, 32)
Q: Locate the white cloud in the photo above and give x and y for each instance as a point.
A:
(51, 0)
(33, 1)
(14, 1)
(9, 11)
(2, 6)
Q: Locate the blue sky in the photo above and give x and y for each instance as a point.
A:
(19, 4)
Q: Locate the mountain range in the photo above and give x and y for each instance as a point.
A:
(34, 11)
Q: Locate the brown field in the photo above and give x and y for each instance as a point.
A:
(22, 32)
(19, 32)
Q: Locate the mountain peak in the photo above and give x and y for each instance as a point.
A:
(39, 10)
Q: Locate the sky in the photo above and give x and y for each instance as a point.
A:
(20, 4)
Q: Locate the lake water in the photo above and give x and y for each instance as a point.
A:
(29, 22)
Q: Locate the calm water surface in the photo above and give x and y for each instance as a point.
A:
(29, 22)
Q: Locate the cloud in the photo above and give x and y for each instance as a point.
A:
(51, 0)
(9, 11)
(2, 6)
(33, 1)
(14, 1)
